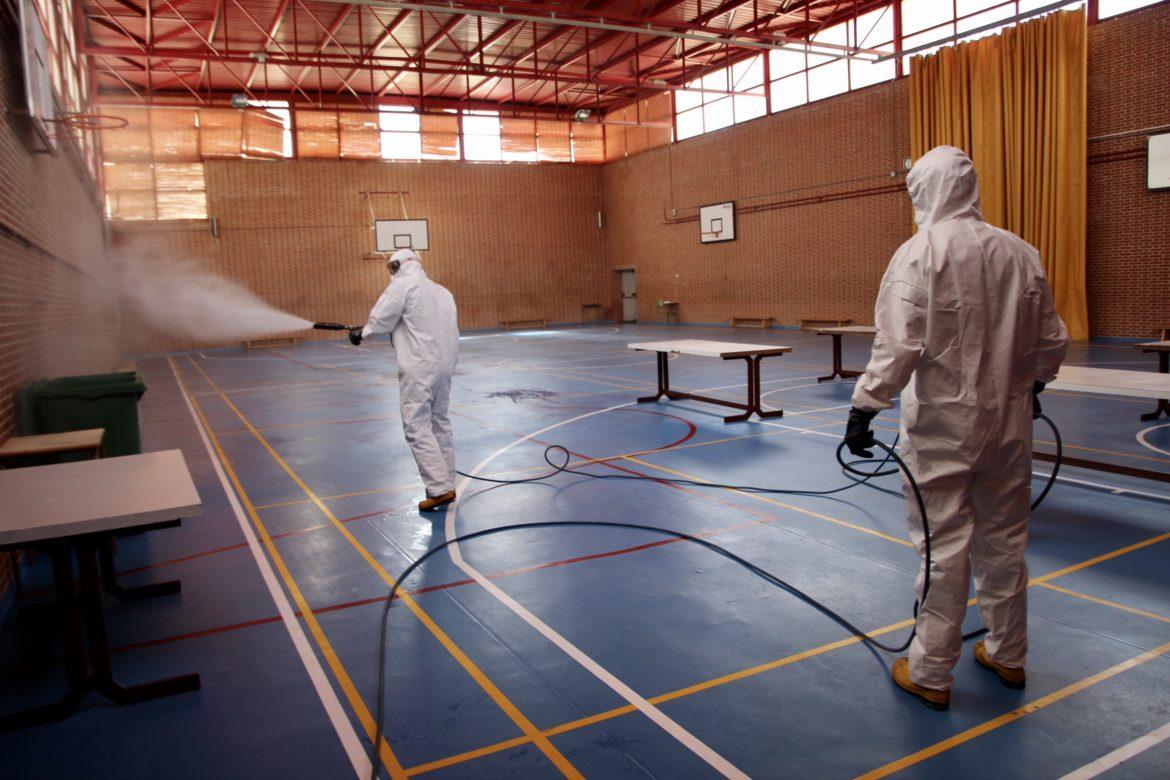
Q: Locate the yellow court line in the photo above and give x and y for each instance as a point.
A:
(1099, 559)
(639, 389)
(313, 424)
(660, 699)
(565, 727)
(456, 652)
(327, 651)
(1105, 602)
(1014, 715)
(774, 502)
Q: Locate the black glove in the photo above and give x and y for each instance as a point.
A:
(858, 437)
(355, 336)
(1037, 389)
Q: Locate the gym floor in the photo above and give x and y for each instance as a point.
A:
(587, 651)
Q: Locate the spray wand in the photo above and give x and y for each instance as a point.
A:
(333, 326)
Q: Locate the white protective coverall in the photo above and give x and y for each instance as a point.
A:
(420, 317)
(966, 323)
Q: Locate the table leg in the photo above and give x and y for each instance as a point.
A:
(101, 675)
(755, 399)
(74, 651)
(663, 380)
(753, 393)
(838, 371)
(122, 593)
(1163, 403)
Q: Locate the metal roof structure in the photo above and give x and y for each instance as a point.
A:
(546, 57)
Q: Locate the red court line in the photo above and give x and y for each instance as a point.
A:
(691, 431)
(414, 592)
(228, 548)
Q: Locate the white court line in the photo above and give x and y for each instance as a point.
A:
(1141, 438)
(333, 709)
(665, 722)
(1121, 755)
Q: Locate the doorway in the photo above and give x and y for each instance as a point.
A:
(629, 295)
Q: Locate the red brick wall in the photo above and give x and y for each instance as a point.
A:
(1129, 226)
(828, 257)
(794, 257)
(56, 313)
(510, 241)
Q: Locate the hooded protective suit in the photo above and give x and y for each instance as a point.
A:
(965, 324)
(419, 315)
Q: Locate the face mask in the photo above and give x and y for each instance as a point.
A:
(394, 266)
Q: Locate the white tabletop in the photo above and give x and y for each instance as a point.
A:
(701, 348)
(1111, 381)
(1156, 346)
(69, 499)
(866, 329)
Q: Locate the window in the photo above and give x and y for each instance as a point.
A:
(399, 133)
(481, 136)
(722, 98)
(816, 70)
(927, 21)
(279, 109)
(1107, 8)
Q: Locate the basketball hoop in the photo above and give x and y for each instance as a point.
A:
(90, 121)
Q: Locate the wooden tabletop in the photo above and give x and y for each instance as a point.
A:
(44, 444)
(1111, 381)
(1154, 346)
(868, 330)
(701, 348)
(91, 496)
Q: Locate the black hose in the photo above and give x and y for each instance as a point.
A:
(333, 326)
(850, 467)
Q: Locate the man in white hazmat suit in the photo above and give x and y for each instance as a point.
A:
(968, 334)
(419, 315)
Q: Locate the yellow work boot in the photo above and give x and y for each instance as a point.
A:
(430, 504)
(932, 698)
(1011, 676)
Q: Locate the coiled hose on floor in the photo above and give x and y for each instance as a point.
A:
(562, 467)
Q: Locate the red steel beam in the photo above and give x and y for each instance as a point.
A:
(269, 34)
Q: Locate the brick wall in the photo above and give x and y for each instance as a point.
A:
(1129, 226)
(809, 257)
(56, 311)
(510, 241)
(819, 239)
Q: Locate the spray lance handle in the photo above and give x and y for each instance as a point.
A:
(333, 326)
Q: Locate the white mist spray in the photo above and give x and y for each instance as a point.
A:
(183, 299)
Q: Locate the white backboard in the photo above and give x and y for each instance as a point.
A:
(38, 85)
(1158, 162)
(394, 234)
(717, 223)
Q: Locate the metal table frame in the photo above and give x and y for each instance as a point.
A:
(87, 663)
(1163, 406)
(752, 406)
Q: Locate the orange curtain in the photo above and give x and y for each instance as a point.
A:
(588, 143)
(1015, 102)
(317, 134)
(440, 135)
(553, 141)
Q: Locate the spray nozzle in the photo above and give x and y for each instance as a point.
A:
(333, 326)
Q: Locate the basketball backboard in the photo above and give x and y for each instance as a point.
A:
(717, 223)
(390, 235)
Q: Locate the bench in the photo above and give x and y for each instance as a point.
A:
(751, 322)
(807, 322)
(523, 324)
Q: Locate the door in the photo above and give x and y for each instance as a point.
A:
(629, 296)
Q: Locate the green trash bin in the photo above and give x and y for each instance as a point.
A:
(75, 403)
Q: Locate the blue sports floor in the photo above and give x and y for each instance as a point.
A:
(585, 651)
